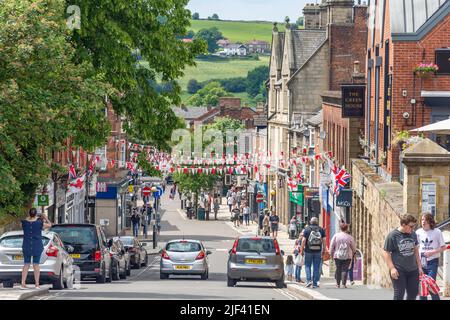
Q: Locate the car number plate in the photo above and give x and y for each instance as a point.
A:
(182, 267)
(75, 255)
(255, 261)
(18, 257)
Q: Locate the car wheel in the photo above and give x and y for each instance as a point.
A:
(102, 278)
(128, 270)
(280, 283)
(8, 284)
(231, 282)
(116, 271)
(59, 283)
(145, 261)
(205, 275)
(163, 275)
(123, 275)
(110, 277)
(68, 284)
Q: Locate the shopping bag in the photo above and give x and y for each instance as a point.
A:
(423, 287)
(433, 288)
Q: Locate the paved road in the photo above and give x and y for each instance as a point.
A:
(145, 283)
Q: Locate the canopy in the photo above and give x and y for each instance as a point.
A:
(441, 127)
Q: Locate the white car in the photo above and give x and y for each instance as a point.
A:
(56, 264)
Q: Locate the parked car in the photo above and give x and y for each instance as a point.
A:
(255, 259)
(184, 257)
(137, 252)
(121, 265)
(56, 264)
(87, 245)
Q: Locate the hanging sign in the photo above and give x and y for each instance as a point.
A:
(345, 198)
(353, 98)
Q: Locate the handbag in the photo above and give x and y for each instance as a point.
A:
(299, 260)
(428, 286)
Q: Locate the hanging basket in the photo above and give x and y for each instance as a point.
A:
(424, 74)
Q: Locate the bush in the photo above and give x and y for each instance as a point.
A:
(193, 86)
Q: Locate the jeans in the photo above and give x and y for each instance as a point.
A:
(407, 281)
(135, 229)
(341, 271)
(431, 270)
(247, 219)
(230, 206)
(298, 273)
(314, 260)
(350, 271)
(145, 229)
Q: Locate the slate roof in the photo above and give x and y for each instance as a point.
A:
(305, 44)
(315, 120)
(189, 112)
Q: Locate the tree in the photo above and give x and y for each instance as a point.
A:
(208, 95)
(224, 124)
(255, 78)
(211, 36)
(234, 84)
(45, 98)
(109, 34)
(196, 16)
(193, 86)
(300, 22)
(215, 16)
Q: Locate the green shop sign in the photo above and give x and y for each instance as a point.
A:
(43, 200)
(297, 196)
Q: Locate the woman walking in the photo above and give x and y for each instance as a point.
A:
(401, 252)
(32, 245)
(431, 244)
(298, 260)
(342, 249)
(266, 224)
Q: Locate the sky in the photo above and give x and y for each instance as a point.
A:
(266, 10)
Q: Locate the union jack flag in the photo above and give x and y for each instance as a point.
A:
(72, 172)
(341, 179)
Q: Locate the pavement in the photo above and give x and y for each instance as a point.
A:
(327, 289)
(18, 294)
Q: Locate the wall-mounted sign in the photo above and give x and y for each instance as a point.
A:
(353, 100)
(311, 193)
(428, 196)
(443, 61)
(43, 200)
(260, 120)
(345, 198)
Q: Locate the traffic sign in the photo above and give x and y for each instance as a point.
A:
(160, 189)
(146, 191)
(43, 200)
(259, 197)
(157, 194)
(130, 189)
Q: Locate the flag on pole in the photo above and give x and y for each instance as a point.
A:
(72, 172)
(341, 180)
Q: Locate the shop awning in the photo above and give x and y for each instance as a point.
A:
(441, 127)
(436, 98)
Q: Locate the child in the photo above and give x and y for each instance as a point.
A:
(289, 267)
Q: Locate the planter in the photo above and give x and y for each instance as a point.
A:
(425, 74)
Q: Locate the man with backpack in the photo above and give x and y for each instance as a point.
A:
(342, 249)
(313, 242)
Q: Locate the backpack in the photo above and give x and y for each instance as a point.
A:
(342, 252)
(315, 240)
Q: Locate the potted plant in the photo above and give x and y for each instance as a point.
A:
(382, 157)
(425, 70)
(400, 139)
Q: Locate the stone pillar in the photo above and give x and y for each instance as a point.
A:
(426, 165)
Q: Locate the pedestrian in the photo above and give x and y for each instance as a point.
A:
(135, 219)
(32, 245)
(216, 207)
(313, 243)
(274, 221)
(266, 224)
(289, 267)
(292, 227)
(145, 223)
(236, 215)
(246, 213)
(239, 197)
(342, 249)
(401, 252)
(431, 244)
(230, 202)
(298, 261)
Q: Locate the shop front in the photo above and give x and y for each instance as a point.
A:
(75, 206)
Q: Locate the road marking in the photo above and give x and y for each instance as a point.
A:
(286, 294)
(221, 249)
(156, 259)
(182, 214)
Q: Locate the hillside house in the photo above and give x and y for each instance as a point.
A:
(258, 46)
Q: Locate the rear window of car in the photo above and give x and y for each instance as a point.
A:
(16, 241)
(126, 241)
(256, 245)
(183, 247)
(76, 235)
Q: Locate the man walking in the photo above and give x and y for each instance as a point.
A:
(274, 221)
(135, 219)
(313, 242)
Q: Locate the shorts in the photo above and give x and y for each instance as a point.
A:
(27, 259)
(274, 227)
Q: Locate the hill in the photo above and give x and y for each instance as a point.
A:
(239, 31)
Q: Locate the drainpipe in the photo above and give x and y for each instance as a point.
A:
(378, 62)
(369, 90)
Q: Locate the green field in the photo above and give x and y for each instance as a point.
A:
(239, 31)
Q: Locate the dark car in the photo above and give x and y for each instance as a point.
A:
(121, 259)
(135, 249)
(87, 245)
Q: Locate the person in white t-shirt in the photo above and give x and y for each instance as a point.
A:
(431, 244)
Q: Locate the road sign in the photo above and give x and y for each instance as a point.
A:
(43, 200)
(160, 189)
(130, 189)
(259, 197)
(146, 191)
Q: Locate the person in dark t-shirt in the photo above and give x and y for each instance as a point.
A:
(401, 252)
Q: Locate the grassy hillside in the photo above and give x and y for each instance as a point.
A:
(242, 31)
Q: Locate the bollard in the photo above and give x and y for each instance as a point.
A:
(447, 272)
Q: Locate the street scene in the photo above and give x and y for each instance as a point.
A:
(186, 150)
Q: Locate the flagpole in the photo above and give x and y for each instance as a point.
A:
(87, 218)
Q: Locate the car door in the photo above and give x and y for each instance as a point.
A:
(66, 259)
(104, 249)
(137, 245)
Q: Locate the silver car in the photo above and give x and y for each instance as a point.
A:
(184, 257)
(56, 264)
(255, 259)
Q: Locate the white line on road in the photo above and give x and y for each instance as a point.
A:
(182, 214)
(155, 260)
(222, 249)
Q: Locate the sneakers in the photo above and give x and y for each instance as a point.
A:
(352, 283)
(309, 284)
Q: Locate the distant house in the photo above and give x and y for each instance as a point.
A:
(236, 50)
(258, 46)
(187, 40)
(222, 43)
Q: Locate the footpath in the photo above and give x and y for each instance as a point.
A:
(327, 286)
(18, 294)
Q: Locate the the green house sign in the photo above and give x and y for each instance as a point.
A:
(43, 200)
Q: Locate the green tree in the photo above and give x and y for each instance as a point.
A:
(215, 16)
(255, 79)
(193, 86)
(211, 36)
(209, 95)
(147, 167)
(45, 98)
(299, 23)
(224, 124)
(196, 16)
(109, 34)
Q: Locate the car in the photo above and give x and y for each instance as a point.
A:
(56, 264)
(121, 259)
(255, 259)
(88, 247)
(137, 252)
(184, 257)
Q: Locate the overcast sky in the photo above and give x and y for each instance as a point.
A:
(266, 10)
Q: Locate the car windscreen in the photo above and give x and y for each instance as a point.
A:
(76, 236)
(183, 247)
(16, 241)
(126, 241)
(256, 245)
